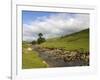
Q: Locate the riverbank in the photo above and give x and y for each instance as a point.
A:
(31, 59)
(56, 57)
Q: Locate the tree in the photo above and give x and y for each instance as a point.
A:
(40, 39)
(33, 42)
(40, 35)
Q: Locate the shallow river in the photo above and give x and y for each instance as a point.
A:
(52, 61)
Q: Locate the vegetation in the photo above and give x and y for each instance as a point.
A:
(40, 39)
(78, 40)
(34, 42)
(30, 58)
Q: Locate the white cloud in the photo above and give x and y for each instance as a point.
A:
(55, 25)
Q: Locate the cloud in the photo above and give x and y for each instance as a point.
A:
(55, 25)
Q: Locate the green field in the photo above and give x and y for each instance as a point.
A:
(78, 40)
(30, 59)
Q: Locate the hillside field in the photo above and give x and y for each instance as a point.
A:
(78, 40)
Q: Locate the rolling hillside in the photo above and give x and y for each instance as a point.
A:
(78, 40)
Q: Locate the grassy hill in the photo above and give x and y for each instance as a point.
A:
(78, 40)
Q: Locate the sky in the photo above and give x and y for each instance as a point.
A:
(52, 24)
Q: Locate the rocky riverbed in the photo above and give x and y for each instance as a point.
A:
(58, 57)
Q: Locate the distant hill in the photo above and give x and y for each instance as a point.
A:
(77, 40)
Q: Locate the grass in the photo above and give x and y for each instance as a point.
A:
(78, 40)
(30, 59)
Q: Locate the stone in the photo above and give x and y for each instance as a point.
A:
(29, 49)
